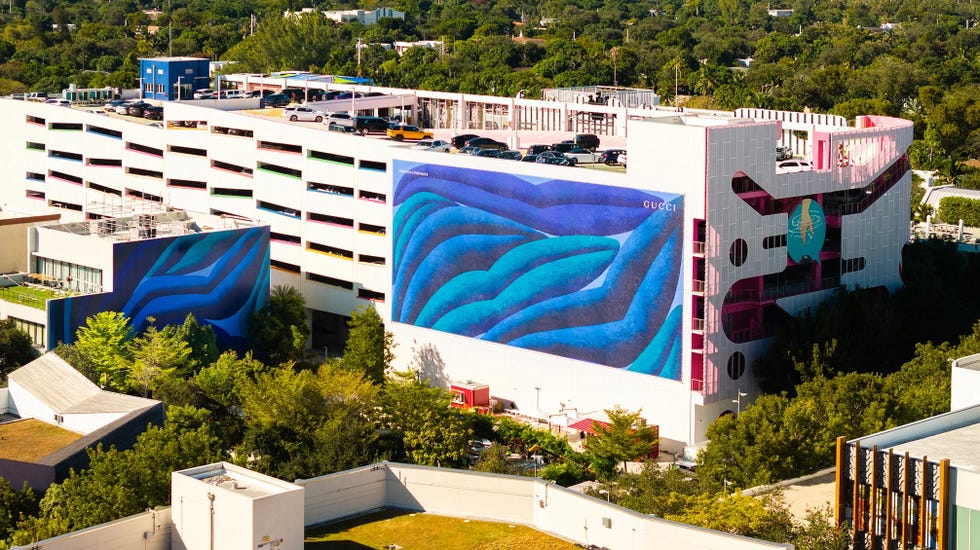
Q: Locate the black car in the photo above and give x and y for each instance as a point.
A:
(457, 142)
(564, 146)
(276, 100)
(530, 158)
(486, 143)
(609, 156)
(153, 112)
(510, 155)
(538, 149)
(587, 141)
(494, 153)
(554, 157)
(136, 109)
(370, 125)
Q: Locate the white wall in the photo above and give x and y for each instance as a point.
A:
(965, 488)
(27, 405)
(88, 423)
(145, 531)
(343, 494)
(965, 384)
(5, 404)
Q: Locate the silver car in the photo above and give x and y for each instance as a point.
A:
(432, 145)
(302, 113)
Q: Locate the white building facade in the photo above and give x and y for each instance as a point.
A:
(574, 290)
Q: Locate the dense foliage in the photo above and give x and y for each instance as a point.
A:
(954, 209)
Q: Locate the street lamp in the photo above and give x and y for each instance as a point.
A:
(604, 492)
(738, 401)
(537, 405)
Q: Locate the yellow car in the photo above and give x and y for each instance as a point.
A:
(404, 131)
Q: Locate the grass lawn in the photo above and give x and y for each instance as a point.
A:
(421, 531)
(29, 440)
(29, 296)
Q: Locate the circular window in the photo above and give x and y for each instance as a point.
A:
(738, 252)
(736, 365)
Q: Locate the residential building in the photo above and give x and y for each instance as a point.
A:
(566, 290)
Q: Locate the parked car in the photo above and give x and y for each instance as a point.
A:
(153, 112)
(370, 125)
(511, 155)
(232, 94)
(468, 150)
(204, 93)
(113, 103)
(583, 156)
(554, 157)
(783, 153)
(486, 143)
(459, 141)
(302, 113)
(530, 158)
(59, 102)
(564, 146)
(37, 96)
(586, 141)
(137, 109)
(493, 153)
(433, 145)
(276, 100)
(793, 165)
(609, 156)
(407, 131)
(536, 149)
(621, 159)
(340, 119)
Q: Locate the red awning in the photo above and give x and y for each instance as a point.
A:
(587, 425)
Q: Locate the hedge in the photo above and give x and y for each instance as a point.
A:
(954, 209)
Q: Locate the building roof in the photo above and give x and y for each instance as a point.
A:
(935, 194)
(64, 390)
(239, 480)
(971, 362)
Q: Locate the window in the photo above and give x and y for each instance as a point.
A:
(369, 228)
(104, 162)
(34, 146)
(104, 189)
(376, 260)
(142, 195)
(231, 131)
(736, 365)
(331, 157)
(331, 250)
(37, 195)
(340, 283)
(851, 265)
(332, 189)
(283, 147)
(66, 177)
(333, 220)
(282, 170)
(226, 166)
(227, 192)
(284, 238)
(738, 252)
(34, 330)
(284, 210)
(65, 205)
(187, 150)
(73, 126)
(34, 176)
(35, 120)
(105, 131)
(366, 294)
(65, 155)
(292, 268)
(774, 241)
(372, 196)
(144, 149)
(373, 165)
(144, 172)
(187, 184)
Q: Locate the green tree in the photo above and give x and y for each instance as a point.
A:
(494, 459)
(627, 437)
(766, 517)
(104, 342)
(370, 348)
(422, 426)
(156, 354)
(16, 347)
(14, 504)
(279, 331)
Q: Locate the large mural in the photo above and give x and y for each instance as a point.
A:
(221, 277)
(580, 270)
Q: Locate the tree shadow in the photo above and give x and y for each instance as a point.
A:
(428, 364)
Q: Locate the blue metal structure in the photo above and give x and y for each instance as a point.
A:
(173, 78)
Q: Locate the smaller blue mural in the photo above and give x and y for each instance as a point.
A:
(221, 277)
(806, 232)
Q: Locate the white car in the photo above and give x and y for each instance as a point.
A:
(432, 145)
(793, 165)
(302, 113)
(621, 159)
(340, 119)
(205, 93)
(584, 156)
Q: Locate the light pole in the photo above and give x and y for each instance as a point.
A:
(537, 403)
(738, 401)
(604, 492)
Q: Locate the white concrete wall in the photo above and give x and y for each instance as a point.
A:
(21, 311)
(145, 531)
(965, 488)
(461, 493)
(27, 405)
(965, 383)
(5, 404)
(88, 423)
(343, 494)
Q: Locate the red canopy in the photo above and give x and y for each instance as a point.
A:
(587, 425)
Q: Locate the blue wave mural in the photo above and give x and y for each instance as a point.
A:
(221, 277)
(579, 270)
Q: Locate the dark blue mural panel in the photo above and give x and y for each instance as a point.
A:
(579, 270)
(221, 277)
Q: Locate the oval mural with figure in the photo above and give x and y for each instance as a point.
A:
(806, 231)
